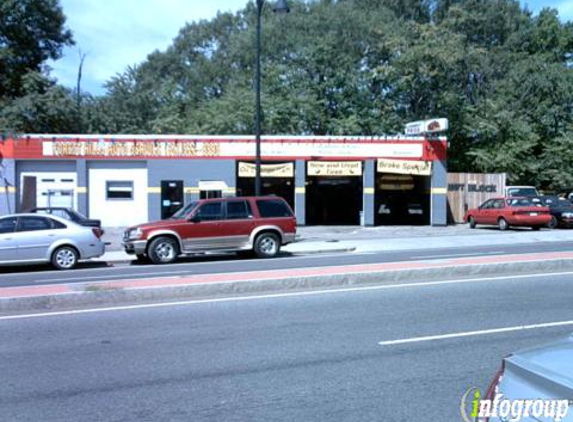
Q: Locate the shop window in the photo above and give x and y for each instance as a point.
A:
(119, 190)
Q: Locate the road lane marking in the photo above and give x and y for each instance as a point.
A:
(476, 333)
(459, 254)
(281, 295)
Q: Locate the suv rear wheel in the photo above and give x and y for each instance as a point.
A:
(163, 250)
(267, 245)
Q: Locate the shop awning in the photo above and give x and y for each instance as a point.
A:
(212, 185)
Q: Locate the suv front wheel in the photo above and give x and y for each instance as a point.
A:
(163, 250)
(267, 245)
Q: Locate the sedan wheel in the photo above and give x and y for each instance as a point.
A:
(163, 250)
(65, 258)
(502, 223)
(472, 222)
(553, 223)
(267, 245)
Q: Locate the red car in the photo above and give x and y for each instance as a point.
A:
(252, 224)
(506, 212)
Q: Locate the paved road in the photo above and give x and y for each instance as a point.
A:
(33, 275)
(281, 358)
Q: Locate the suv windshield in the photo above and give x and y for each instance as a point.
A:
(185, 211)
(522, 192)
(522, 202)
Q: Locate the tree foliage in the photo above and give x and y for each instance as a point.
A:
(503, 76)
(31, 32)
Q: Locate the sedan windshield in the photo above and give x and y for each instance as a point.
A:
(185, 211)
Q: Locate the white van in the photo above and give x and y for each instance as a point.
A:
(527, 191)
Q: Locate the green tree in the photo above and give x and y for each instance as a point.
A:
(44, 107)
(31, 32)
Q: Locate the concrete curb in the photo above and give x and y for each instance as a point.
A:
(129, 258)
(96, 295)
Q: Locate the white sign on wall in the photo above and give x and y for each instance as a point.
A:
(426, 126)
(334, 168)
(240, 148)
(267, 170)
(416, 168)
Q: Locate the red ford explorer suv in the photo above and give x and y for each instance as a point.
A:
(252, 224)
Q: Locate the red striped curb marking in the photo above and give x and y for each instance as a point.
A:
(56, 289)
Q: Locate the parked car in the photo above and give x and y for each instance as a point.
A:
(561, 210)
(506, 212)
(68, 214)
(37, 238)
(540, 373)
(521, 191)
(257, 224)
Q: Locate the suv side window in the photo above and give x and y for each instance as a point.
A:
(238, 210)
(7, 225)
(269, 208)
(28, 224)
(211, 211)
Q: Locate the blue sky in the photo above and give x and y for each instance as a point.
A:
(114, 34)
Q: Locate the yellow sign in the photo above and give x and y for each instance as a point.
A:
(267, 170)
(415, 168)
(334, 168)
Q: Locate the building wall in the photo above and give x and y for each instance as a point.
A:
(191, 172)
(153, 159)
(8, 187)
(439, 215)
(118, 212)
(369, 189)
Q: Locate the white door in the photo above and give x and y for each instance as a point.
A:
(54, 189)
(118, 197)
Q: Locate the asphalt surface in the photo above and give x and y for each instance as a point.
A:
(100, 272)
(292, 358)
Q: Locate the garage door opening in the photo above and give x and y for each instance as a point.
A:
(402, 199)
(276, 179)
(334, 193)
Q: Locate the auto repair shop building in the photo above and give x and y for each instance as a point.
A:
(129, 179)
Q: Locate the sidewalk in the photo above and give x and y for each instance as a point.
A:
(330, 239)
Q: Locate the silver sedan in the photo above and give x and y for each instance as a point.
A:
(33, 238)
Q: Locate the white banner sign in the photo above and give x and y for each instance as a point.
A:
(416, 168)
(267, 170)
(334, 168)
(197, 149)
